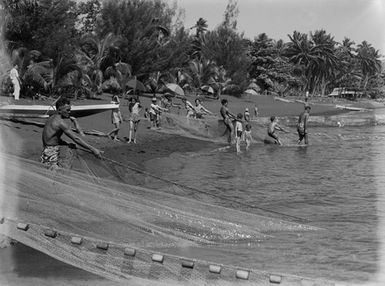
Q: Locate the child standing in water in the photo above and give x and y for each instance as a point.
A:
(248, 137)
(116, 118)
(246, 115)
(238, 132)
(255, 111)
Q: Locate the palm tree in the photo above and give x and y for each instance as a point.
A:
(324, 65)
(369, 62)
(198, 40)
(346, 73)
(266, 62)
(315, 56)
(97, 55)
(203, 72)
(156, 82)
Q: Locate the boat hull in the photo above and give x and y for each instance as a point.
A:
(76, 111)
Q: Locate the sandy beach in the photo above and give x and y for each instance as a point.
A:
(21, 265)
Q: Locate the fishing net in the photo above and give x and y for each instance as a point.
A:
(97, 205)
(211, 127)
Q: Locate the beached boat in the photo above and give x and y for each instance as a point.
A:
(44, 110)
(351, 108)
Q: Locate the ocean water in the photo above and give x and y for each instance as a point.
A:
(335, 184)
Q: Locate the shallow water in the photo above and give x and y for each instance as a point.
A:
(332, 184)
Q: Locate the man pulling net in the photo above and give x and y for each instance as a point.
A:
(56, 152)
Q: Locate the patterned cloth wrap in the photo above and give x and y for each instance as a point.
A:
(59, 156)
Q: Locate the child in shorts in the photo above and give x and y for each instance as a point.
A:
(116, 118)
(238, 132)
(248, 137)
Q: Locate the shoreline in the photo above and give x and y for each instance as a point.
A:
(16, 267)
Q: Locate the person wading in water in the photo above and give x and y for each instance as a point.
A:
(228, 118)
(302, 125)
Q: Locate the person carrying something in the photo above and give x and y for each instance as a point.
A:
(116, 118)
(134, 108)
(228, 117)
(155, 111)
(273, 126)
(54, 148)
(200, 110)
(238, 132)
(302, 125)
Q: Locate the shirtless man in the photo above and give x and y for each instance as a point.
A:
(273, 125)
(228, 117)
(302, 125)
(54, 129)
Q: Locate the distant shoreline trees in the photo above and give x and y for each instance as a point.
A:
(89, 43)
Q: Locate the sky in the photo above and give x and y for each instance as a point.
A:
(358, 20)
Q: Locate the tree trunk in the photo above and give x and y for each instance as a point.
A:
(324, 83)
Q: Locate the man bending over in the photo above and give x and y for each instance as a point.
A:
(273, 126)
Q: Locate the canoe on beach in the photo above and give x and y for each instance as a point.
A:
(41, 110)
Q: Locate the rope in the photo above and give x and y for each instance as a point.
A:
(203, 192)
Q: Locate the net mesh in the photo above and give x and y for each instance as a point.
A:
(98, 203)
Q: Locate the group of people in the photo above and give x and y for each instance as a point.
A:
(239, 126)
(134, 108)
(240, 129)
(153, 113)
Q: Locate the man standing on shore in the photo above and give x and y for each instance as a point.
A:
(302, 125)
(14, 75)
(55, 149)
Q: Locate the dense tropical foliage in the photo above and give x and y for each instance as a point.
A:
(87, 47)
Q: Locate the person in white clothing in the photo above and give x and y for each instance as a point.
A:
(134, 108)
(238, 132)
(116, 118)
(14, 75)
